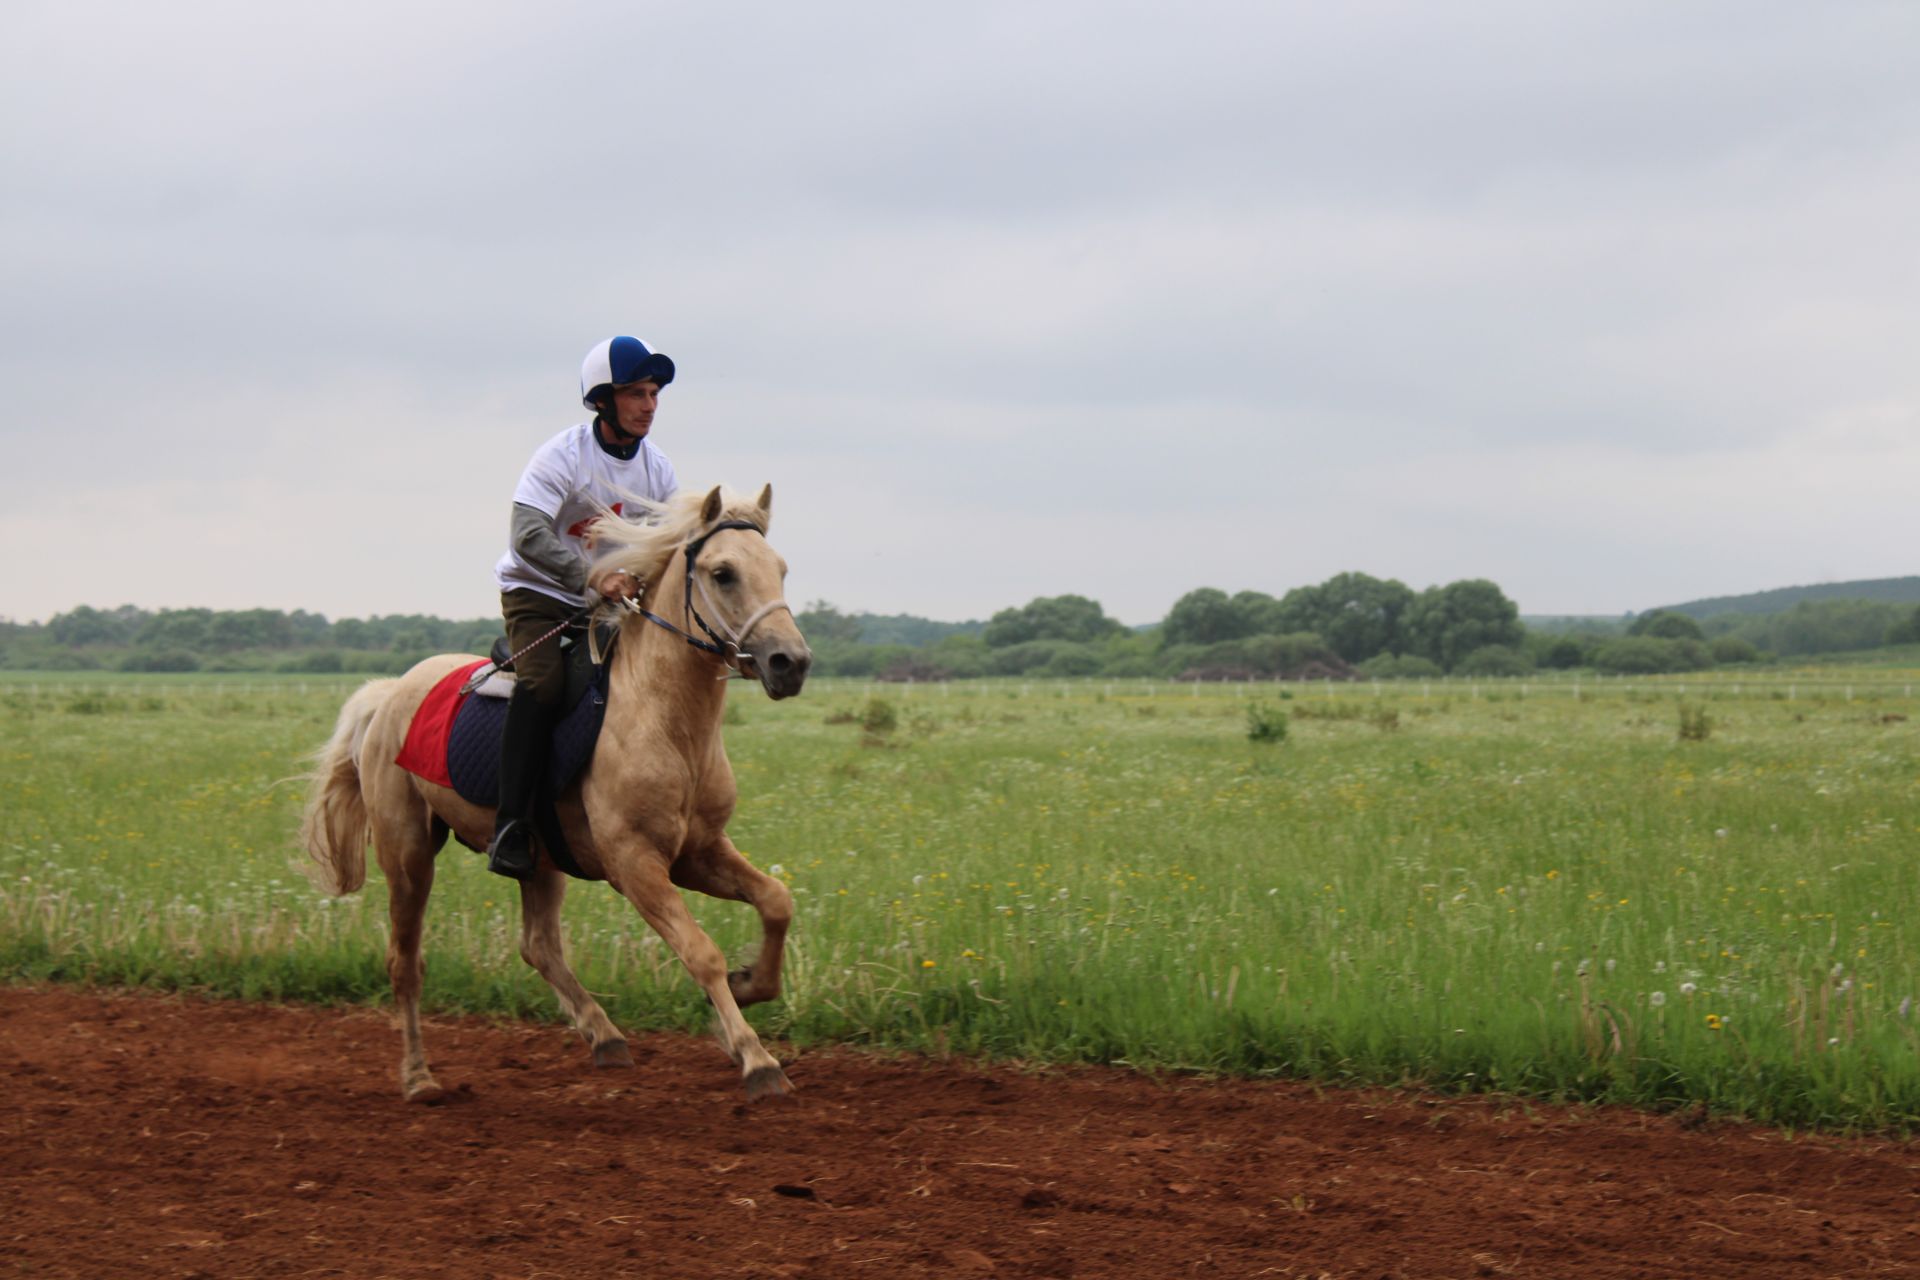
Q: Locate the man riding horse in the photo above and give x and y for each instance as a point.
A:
(543, 577)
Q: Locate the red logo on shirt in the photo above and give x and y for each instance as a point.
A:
(578, 529)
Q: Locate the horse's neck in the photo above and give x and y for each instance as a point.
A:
(660, 677)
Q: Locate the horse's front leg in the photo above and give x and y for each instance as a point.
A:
(541, 946)
(643, 879)
(722, 871)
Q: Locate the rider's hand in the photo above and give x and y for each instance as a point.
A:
(615, 584)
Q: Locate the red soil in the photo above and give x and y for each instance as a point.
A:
(155, 1136)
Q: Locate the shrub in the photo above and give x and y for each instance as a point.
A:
(54, 660)
(1022, 659)
(960, 656)
(1072, 660)
(1664, 624)
(1564, 654)
(1494, 660)
(1733, 649)
(914, 669)
(1406, 666)
(160, 660)
(879, 717)
(1646, 655)
(1295, 656)
(1300, 656)
(844, 658)
(1266, 723)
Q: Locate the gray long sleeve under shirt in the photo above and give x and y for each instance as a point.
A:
(536, 542)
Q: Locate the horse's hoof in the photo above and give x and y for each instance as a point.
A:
(767, 1082)
(426, 1092)
(612, 1053)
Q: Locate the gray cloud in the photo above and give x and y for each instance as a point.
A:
(1613, 304)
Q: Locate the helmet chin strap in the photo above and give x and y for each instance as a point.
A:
(612, 423)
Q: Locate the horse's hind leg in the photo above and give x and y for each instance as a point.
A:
(722, 871)
(542, 947)
(406, 856)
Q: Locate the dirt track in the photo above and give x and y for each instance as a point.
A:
(155, 1136)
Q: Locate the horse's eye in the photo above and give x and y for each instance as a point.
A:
(723, 576)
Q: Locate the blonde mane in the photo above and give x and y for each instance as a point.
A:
(643, 545)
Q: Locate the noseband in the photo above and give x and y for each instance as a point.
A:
(729, 648)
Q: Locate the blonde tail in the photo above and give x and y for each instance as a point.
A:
(334, 827)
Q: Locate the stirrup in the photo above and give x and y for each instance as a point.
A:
(511, 854)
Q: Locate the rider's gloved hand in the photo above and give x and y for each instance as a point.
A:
(615, 584)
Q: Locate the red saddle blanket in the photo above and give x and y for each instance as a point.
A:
(424, 754)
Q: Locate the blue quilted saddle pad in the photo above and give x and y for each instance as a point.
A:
(473, 748)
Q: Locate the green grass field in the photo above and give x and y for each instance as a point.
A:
(1518, 887)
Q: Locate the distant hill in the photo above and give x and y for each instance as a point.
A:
(1585, 623)
(905, 628)
(1781, 599)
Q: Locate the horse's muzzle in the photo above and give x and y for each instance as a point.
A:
(783, 668)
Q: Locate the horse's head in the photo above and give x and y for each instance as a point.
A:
(736, 580)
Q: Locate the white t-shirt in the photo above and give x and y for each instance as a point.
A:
(570, 478)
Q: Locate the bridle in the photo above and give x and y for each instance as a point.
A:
(729, 648)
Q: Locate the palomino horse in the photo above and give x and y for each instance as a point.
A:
(651, 810)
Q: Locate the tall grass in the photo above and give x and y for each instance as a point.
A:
(1550, 895)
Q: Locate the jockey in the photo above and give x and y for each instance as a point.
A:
(543, 576)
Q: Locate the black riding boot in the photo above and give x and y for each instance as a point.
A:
(523, 761)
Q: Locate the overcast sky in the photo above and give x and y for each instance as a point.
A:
(1616, 304)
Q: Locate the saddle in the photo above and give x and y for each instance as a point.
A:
(473, 740)
(581, 672)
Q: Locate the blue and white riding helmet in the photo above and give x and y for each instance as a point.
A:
(619, 361)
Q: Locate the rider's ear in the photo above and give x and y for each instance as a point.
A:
(766, 506)
(710, 509)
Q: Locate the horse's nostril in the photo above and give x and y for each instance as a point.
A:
(778, 663)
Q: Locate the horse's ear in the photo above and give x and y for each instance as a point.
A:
(766, 506)
(710, 509)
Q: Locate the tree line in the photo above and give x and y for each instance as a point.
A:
(131, 639)
(1351, 625)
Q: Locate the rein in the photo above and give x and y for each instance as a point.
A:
(729, 648)
(479, 677)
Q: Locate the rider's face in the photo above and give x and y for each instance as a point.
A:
(634, 406)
